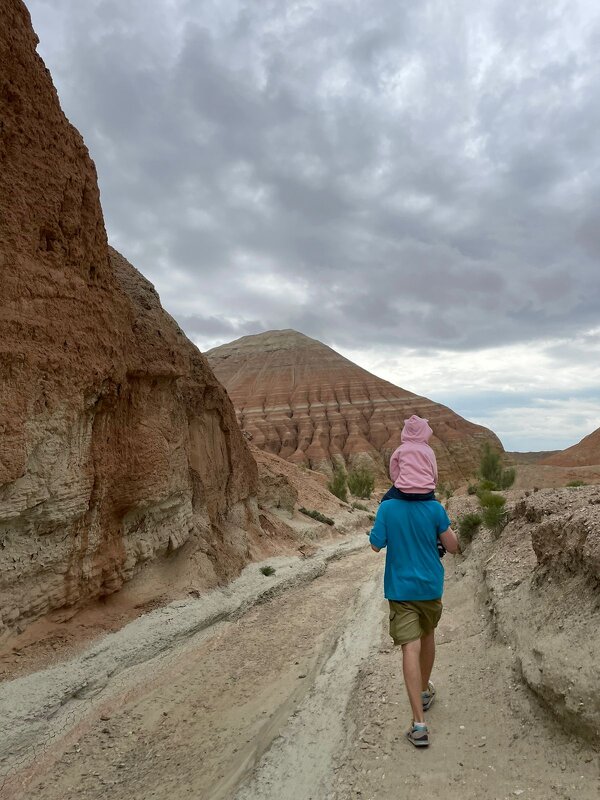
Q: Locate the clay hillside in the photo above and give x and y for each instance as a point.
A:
(584, 454)
(118, 446)
(308, 404)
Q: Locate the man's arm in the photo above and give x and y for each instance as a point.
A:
(378, 537)
(450, 541)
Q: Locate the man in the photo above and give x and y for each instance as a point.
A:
(413, 585)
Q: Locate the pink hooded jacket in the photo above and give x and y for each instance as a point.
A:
(413, 467)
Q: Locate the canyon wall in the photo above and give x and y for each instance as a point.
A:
(543, 577)
(118, 445)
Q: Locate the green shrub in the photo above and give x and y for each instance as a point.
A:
(360, 506)
(267, 570)
(361, 482)
(491, 500)
(468, 526)
(472, 488)
(338, 484)
(484, 487)
(495, 518)
(507, 478)
(317, 515)
(491, 472)
(573, 484)
(494, 515)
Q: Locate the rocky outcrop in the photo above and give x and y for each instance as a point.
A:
(301, 400)
(118, 445)
(583, 454)
(543, 579)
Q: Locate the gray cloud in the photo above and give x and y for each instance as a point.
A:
(426, 173)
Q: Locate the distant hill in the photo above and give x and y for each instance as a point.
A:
(583, 454)
(301, 400)
(530, 457)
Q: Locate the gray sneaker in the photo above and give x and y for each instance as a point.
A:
(428, 697)
(418, 735)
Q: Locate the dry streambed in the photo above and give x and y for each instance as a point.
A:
(182, 702)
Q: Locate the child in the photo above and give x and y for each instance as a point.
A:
(413, 467)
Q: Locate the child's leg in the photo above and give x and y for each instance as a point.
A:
(392, 494)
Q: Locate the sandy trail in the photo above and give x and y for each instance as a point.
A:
(301, 698)
(491, 740)
(195, 720)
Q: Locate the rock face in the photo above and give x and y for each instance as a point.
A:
(308, 404)
(543, 578)
(584, 454)
(117, 443)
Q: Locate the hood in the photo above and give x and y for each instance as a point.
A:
(416, 429)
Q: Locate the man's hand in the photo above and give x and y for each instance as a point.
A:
(450, 541)
(375, 549)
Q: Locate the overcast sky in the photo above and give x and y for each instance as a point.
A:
(416, 184)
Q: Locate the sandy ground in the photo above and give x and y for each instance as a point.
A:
(491, 740)
(300, 697)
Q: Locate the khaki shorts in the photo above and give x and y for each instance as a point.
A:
(410, 620)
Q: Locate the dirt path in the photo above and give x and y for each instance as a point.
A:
(490, 738)
(203, 716)
(268, 707)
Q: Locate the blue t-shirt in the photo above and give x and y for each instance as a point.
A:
(409, 530)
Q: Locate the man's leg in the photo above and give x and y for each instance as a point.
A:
(427, 657)
(411, 667)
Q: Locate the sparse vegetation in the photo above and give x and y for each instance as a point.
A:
(317, 515)
(492, 472)
(359, 506)
(445, 490)
(574, 484)
(468, 525)
(361, 482)
(267, 570)
(494, 515)
(472, 488)
(338, 485)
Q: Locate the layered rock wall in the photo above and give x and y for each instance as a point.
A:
(543, 579)
(117, 443)
(301, 400)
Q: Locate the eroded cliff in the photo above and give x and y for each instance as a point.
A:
(117, 443)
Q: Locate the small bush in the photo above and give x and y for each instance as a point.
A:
(491, 472)
(267, 570)
(495, 518)
(360, 506)
(338, 484)
(468, 525)
(494, 515)
(507, 478)
(361, 482)
(573, 484)
(317, 515)
(484, 487)
(491, 500)
(472, 488)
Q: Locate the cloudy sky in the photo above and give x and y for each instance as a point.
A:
(416, 184)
